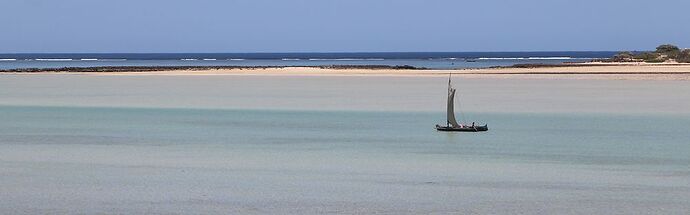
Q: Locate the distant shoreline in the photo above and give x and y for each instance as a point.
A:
(115, 69)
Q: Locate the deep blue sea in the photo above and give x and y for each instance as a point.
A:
(433, 60)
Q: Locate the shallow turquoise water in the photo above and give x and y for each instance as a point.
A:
(655, 140)
(133, 160)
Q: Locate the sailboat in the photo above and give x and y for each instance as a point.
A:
(452, 124)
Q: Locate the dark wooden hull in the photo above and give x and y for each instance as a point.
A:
(463, 129)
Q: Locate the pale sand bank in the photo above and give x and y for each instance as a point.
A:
(348, 92)
(581, 71)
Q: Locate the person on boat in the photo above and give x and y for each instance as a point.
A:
(472, 124)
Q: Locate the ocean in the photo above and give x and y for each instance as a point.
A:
(432, 60)
(133, 144)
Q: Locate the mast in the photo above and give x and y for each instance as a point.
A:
(450, 110)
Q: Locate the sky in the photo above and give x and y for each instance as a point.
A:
(157, 26)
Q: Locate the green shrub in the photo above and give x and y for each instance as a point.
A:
(684, 56)
(671, 51)
(667, 48)
(623, 57)
(650, 57)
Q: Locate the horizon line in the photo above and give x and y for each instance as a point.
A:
(318, 52)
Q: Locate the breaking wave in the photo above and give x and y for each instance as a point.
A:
(53, 59)
(550, 58)
(528, 58)
(347, 59)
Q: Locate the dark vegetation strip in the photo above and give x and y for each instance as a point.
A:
(105, 69)
(534, 66)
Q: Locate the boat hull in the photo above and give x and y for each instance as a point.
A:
(462, 129)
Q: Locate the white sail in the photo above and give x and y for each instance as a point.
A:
(451, 107)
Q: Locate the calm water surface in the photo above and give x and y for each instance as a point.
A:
(133, 160)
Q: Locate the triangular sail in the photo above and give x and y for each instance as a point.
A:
(451, 107)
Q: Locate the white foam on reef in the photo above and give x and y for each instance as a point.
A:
(8, 59)
(89, 59)
(236, 59)
(501, 58)
(209, 59)
(54, 59)
(531, 58)
(535, 58)
(550, 58)
(347, 59)
(291, 59)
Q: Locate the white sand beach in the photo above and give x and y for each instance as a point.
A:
(590, 71)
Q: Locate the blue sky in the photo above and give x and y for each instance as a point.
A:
(46, 26)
